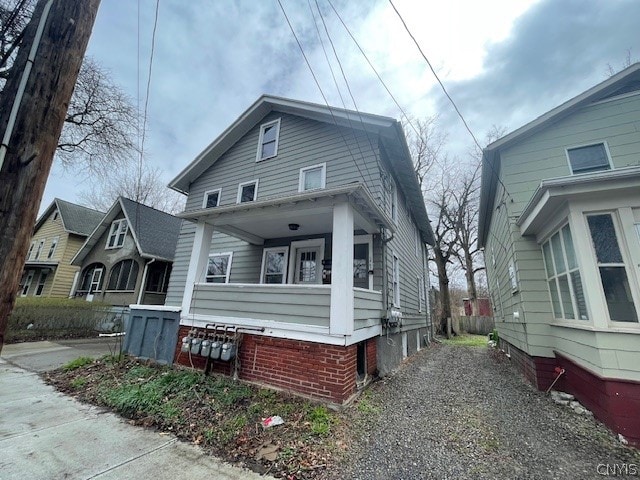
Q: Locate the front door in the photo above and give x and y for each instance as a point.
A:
(96, 277)
(307, 267)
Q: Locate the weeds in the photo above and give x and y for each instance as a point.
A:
(78, 382)
(320, 420)
(78, 363)
(467, 340)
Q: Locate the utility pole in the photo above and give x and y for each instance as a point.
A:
(33, 106)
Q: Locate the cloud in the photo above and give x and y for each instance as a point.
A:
(555, 51)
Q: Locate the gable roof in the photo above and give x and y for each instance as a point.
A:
(155, 232)
(76, 219)
(389, 130)
(623, 82)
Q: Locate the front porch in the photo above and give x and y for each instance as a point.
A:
(317, 279)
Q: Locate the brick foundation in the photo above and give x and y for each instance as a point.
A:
(614, 402)
(326, 372)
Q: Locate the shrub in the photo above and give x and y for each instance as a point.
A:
(39, 318)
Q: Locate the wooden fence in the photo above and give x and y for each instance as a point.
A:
(477, 325)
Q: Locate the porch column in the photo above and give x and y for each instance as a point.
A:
(197, 263)
(341, 320)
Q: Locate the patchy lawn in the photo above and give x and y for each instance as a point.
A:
(221, 415)
(467, 340)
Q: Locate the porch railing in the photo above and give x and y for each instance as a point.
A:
(299, 304)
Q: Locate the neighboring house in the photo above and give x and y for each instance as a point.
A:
(58, 235)
(307, 222)
(560, 225)
(127, 258)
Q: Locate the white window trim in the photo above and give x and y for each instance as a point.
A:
(590, 144)
(285, 268)
(220, 254)
(117, 233)
(323, 177)
(368, 239)
(53, 247)
(39, 249)
(394, 203)
(313, 242)
(56, 215)
(262, 129)
(627, 263)
(395, 284)
(244, 184)
(40, 282)
(31, 249)
(513, 276)
(27, 283)
(421, 294)
(206, 197)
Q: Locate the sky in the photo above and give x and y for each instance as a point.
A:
(504, 62)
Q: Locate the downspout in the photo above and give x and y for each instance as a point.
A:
(23, 83)
(385, 276)
(144, 279)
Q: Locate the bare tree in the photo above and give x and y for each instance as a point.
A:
(145, 186)
(101, 122)
(425, 143)
(626, 62)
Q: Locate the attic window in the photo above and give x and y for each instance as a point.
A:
(268, 141)
(211, 198)
(590, 158)
(313, 178)
(117, 233)
(247, 191)
(56, 214)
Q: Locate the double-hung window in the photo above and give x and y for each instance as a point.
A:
(313, 178)
(612, 269)
(247, 191)
(52, 249)
(563, 277)
(31, 247)
(41, 283)
(274, 265)
(211, 198)
(268, 141)
(117, 233)
(590, 158)
(219, 267)
(39, 249)
(395, 274)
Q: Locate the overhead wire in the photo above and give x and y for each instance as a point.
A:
(404, 114)
(355, 104)
(435, 74)
(320, 88)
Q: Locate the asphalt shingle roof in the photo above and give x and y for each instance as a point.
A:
(157, 232)
(78, 219)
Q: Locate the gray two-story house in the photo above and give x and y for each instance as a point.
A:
(308, 223)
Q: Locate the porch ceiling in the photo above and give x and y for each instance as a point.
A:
(312, 211)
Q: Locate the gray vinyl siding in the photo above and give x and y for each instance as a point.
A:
(291, 303)
(412, 267)
(523, 166)
(350, 157)
(368, 308)
(245, 264)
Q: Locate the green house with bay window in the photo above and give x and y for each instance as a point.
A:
(560, 227)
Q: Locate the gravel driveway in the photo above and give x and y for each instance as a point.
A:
(461, 412)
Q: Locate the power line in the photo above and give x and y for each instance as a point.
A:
(335, 53)
(406, 116)
(320, 88)
(466, 125)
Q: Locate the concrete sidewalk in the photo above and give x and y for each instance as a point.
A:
(45, 434)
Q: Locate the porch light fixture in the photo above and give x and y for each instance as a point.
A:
(294, 226)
